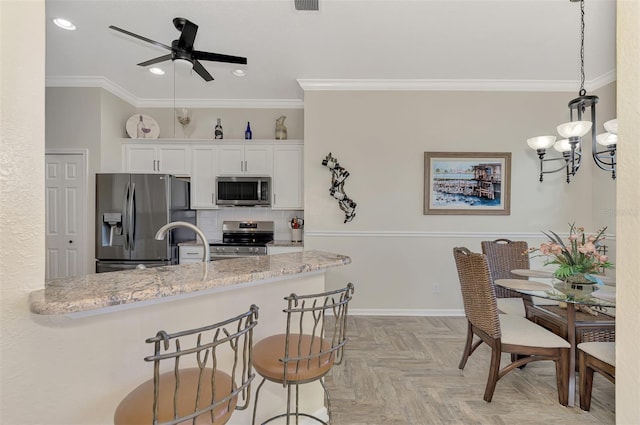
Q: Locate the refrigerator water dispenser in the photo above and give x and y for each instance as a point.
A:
(111, 226)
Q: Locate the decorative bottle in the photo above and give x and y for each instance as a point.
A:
(218, 130)
(248, 135)
(140, 129)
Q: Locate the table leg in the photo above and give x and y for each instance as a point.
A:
(571, 337)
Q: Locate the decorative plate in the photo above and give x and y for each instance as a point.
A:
(525, 285)
(141, 126)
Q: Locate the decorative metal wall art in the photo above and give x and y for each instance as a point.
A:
(338, 176)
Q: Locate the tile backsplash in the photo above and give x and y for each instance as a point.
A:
(210, 221)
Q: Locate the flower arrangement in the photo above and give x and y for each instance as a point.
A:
(579, 256)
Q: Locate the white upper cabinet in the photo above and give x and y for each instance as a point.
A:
(245, 159)
(157, 158)
(204, 169)
(288, 177)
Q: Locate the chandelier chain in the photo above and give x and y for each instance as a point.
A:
(582, 92)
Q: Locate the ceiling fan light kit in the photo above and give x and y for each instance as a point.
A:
(572, 132)
(182, 49)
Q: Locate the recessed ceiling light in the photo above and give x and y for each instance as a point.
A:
(64, 24)
(156, 71)
(239, 72)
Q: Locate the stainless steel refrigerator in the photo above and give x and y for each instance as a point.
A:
(130, 208)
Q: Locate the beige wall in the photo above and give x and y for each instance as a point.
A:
(628, 214)
(380, 138)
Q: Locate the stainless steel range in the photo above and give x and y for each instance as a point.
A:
(242, 239)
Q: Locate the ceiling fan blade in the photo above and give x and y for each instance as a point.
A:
(140, 37)
(156, 60)
(188, 33)
(217, 57)
(197, 66)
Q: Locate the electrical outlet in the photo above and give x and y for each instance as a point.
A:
(436, 288)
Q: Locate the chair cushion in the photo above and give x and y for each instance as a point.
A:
(268, 352)
(137, 407)
(511, 306)
(517, 330)
(605, 351)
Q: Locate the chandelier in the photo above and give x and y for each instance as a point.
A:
(603, 146)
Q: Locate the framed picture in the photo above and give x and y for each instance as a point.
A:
(474, 183)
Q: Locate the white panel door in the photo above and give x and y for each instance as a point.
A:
(65, 182)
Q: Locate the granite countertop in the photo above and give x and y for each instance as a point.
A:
(104, 290)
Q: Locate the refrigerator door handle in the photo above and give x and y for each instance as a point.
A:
(125, 220)
(131, 218)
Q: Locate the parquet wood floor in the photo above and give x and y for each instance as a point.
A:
(404, 370)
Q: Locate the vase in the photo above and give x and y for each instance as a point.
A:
(576, 285)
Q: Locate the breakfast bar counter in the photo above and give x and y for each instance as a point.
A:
(94, 327)
(104, 292)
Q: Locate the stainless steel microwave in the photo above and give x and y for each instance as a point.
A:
(243, 191)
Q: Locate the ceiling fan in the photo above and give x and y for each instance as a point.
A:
(182, 49)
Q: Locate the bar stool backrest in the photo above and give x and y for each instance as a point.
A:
(199, 375)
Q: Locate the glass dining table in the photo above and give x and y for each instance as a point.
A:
(603, 297)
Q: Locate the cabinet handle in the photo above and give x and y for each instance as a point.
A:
(245, 166)
(158, 165)
(154, 165)
(274, 199)
(241, 166)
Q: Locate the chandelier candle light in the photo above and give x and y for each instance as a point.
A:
(572, 132)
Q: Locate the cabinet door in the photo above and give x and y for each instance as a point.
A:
(174, 159)
(231, 159)
(203, 176)
(258, 160)
(140, 159)
(287, 178)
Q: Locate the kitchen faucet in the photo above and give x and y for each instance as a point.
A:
(164, 229)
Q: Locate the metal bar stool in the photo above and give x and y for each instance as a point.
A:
(314, 342)
(189, 387)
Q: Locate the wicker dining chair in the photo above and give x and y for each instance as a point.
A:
(595, 357)
(504, 333)
(188, 385)
(504, 255)
(315, 338)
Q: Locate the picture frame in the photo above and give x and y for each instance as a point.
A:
(467, 183)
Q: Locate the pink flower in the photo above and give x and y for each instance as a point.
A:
(556, 249)
(603, 258)
(545, 249)
(587, 248)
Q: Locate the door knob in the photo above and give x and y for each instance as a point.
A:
(70, 241)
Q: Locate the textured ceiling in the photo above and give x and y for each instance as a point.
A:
(515, 42)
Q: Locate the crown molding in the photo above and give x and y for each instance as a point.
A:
(335, 85)
(223, 103)
(104, 83)
(451, 85)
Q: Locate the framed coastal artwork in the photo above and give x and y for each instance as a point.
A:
(469, 183)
